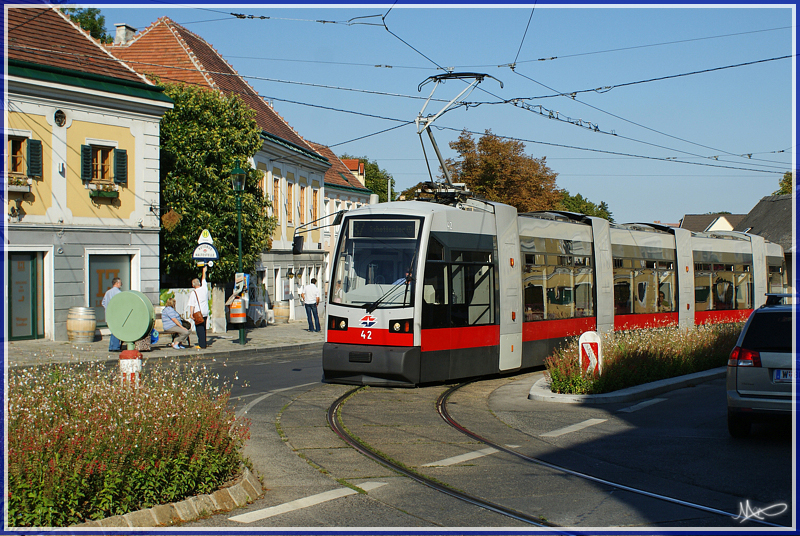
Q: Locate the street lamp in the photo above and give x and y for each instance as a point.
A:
(238, 176)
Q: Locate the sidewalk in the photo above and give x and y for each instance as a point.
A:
(220, 345)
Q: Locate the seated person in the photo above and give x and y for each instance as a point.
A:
(173, 324)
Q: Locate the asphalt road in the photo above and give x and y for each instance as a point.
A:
(675, 445)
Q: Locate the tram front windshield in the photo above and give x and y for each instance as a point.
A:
(375, 263)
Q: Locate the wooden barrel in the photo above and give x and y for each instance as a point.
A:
(281, 310)
(81, 324)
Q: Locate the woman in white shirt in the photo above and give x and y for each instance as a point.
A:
(198, 301)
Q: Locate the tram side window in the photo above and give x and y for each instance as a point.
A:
(472, 301)
(644, 286)
(775, 278)
(557, 286)
(722, 287)
(458, 295)
(435, 293)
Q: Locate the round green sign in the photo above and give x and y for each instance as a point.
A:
(130, 316)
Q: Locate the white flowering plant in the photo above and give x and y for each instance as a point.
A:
(82, 446)
(641, 356)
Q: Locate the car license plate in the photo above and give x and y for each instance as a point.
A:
(783, 376)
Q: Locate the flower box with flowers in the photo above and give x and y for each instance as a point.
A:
(103, 190)
(19, 184)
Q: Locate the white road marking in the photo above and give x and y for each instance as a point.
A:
(465, 457)
(573, 428)
(247, 407)
(641, 405)
(291, 506)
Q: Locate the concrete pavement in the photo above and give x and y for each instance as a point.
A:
(268, 338)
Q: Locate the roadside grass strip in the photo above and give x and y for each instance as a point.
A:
(305, 502)
(573, 428)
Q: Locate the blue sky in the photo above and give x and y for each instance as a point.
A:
(668, 143)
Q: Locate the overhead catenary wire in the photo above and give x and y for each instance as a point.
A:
(522, 41)
(345, 89)
(404, 122)
(518, 102)
(572, 96)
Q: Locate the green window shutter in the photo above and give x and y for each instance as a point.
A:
(34, 158)
(86, 162)
(120, 166)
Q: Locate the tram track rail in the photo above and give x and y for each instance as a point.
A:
(334, 421)
(441, 406)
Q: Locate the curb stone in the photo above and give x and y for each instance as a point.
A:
(246, 490)
(541, 389)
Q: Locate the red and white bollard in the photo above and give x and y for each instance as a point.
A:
(130, 367)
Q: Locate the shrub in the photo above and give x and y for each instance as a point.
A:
(642, 356)
(81, 446)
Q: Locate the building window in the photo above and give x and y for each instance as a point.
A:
(16, 158)
(101, 164)
(104, 164)
(24, 157)
(289, 201)
(314, 205)
(276, 199)
(302, 205)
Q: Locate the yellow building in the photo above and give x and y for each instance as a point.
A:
(82, 135)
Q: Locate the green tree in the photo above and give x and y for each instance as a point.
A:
(497, 169)
(202, 139)
(786, 184)
(376, 179)
(91, 20)
(579, 204)
(410, 193)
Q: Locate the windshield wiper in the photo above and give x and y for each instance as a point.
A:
(374, 305)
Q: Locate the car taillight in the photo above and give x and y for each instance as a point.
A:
(742, 357)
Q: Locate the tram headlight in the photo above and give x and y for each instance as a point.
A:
(401, 326)
(337, 323)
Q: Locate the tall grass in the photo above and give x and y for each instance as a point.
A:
(635, 357)
(81, 446)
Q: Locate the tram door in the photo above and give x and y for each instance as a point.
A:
(25, 302)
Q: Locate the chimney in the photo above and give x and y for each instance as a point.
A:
(124, 34)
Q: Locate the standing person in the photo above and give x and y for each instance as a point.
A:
(310, 296)
(114, 344)
(171, 321)
(198, 302)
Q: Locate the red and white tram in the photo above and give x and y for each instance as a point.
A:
(428, 291)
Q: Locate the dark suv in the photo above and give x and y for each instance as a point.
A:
(761, 368)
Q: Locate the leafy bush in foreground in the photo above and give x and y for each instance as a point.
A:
(81, 446)
(635, 357)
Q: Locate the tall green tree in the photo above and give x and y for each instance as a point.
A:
(786, 184)
(375, 178)
(498, 169)
(202, 139)
(579, 204)
(91, 20)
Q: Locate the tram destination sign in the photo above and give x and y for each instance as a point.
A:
(384, 228)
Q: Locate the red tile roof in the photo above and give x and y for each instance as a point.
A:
(45, 36)
(338, 174)
(354, 164)
(173, 53)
